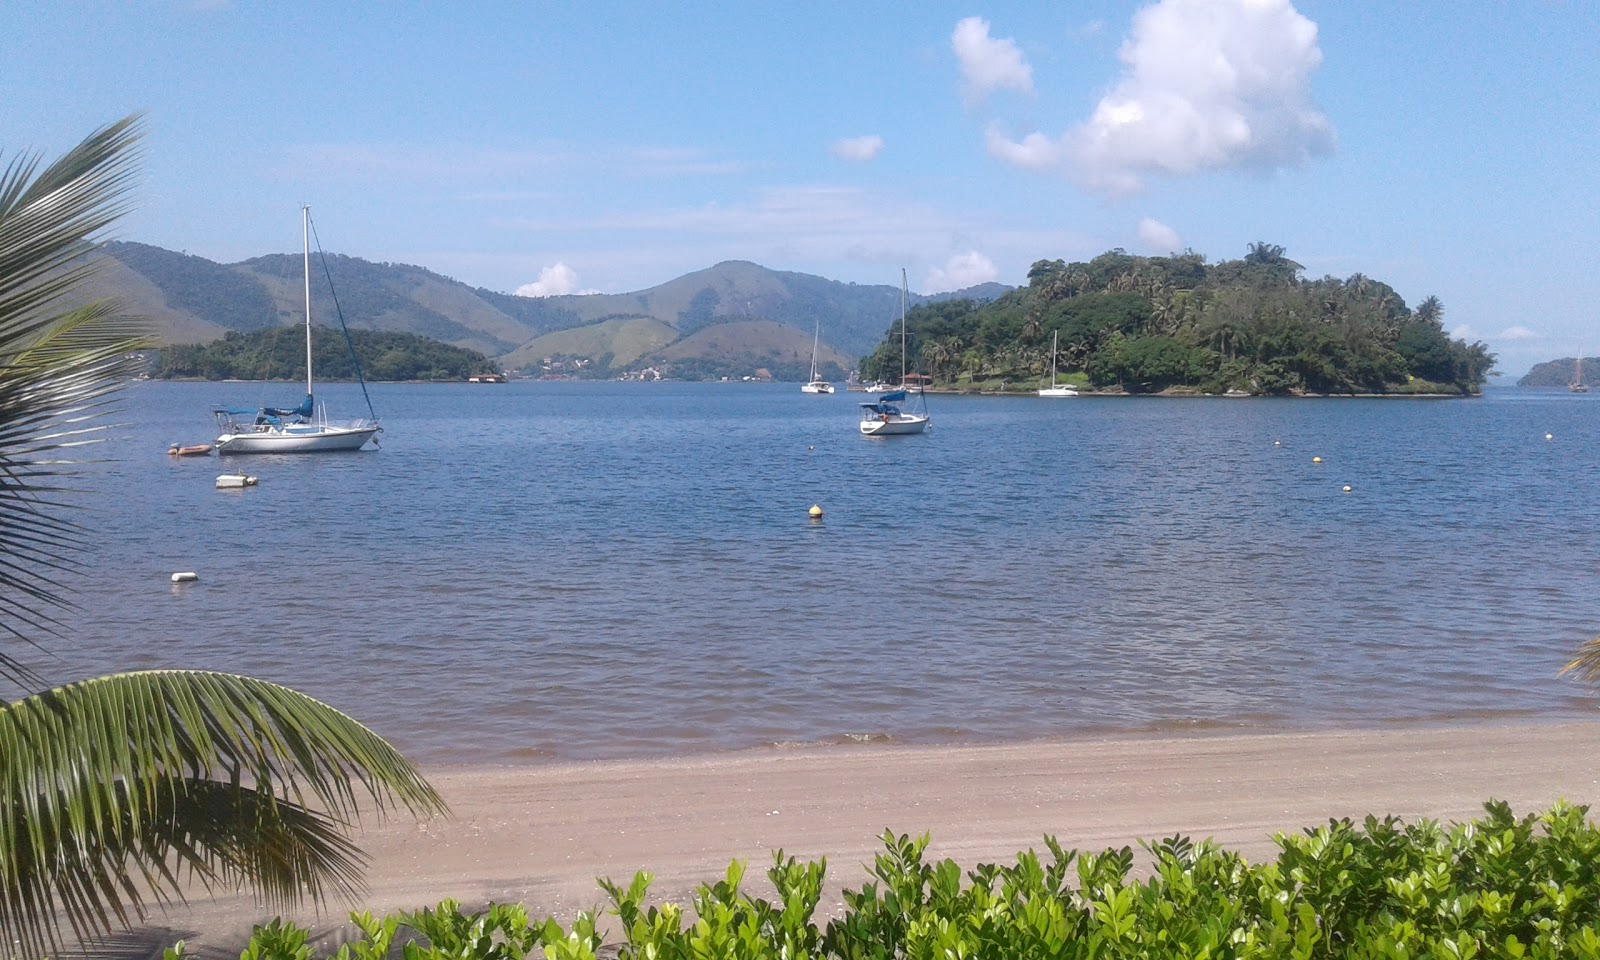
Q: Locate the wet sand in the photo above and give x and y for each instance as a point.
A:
(542, 834)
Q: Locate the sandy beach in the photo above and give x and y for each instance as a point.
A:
(542, 834)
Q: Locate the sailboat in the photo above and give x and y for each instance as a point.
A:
(302, 429)
(886, 417)
(816, 384)
(1577, 385)
(1055, 390)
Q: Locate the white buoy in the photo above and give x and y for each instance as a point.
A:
(1347, 488)
(187, 576)
(233, 481)
(1549, 436)
(1316, 459)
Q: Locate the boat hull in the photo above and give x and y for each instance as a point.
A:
(817, 386)
(894, 426)
(1058, 392)
(314, 440)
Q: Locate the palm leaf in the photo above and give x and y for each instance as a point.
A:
(59, 366)
(1587, 663)
(117, 792)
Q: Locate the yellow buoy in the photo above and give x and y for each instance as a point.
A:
(815, 511)
(1316, 459)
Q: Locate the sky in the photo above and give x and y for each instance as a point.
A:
(1446, 148)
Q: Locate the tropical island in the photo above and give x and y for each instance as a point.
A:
(1559, 373)
(1178, 324)
(278, 353)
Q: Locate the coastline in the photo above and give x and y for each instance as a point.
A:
(541, 835)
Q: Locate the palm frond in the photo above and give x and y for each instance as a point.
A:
(60, 363)
(122, 788)
(1587, 663)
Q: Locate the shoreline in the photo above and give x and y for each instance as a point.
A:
(542, 834)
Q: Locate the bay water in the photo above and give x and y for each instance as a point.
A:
(565, 571)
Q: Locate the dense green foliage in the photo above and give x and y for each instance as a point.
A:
(1498, 886)
(1146, 324)
(280, 354)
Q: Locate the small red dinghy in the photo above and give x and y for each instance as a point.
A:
(198, 449)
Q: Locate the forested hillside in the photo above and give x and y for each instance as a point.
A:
(1559, 373)
(1148, 324)
(279, 354)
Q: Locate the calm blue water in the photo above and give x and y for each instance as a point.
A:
(566, 570)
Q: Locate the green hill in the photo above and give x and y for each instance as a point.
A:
(278, 353)
(1559, 373)
(1181, 323)
(194, 300)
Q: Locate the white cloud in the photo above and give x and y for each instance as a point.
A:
(554, 281)
(989, 64)
(1517, 333)
(1206, 85)
(1033, 152)
(1157, 236)
(858, 148)
(961, 271)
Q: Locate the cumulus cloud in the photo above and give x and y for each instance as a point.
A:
(1206, 85)
(961, 271)
(554, 281)
(1033, 152)
(988, 64)
(1157, 236)
(859, 149)
(1517, 333)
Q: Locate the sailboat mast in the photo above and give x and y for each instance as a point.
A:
(305, 237)
(902, 328)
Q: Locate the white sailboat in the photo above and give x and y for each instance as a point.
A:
(302, 429)
(1577, 385)
(886, 417)
(1056, 390)
(816, 383)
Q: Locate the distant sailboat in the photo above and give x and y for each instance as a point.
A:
(1056, 390)
(1577, 385)
(886, 417)
(816, 384)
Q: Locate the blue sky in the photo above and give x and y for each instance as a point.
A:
(1445, 148)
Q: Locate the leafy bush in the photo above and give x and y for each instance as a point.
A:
(1381, 890)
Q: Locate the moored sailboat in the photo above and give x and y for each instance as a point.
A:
(816, 384)
(1055, 389)
(302, 429)
(886, 417)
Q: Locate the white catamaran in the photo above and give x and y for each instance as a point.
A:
(887, 417)
(302, 429)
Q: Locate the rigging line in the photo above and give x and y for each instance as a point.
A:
(348, 343)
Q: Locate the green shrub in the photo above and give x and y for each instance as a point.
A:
(1498, 886)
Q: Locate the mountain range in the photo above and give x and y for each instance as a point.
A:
(730, 319)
